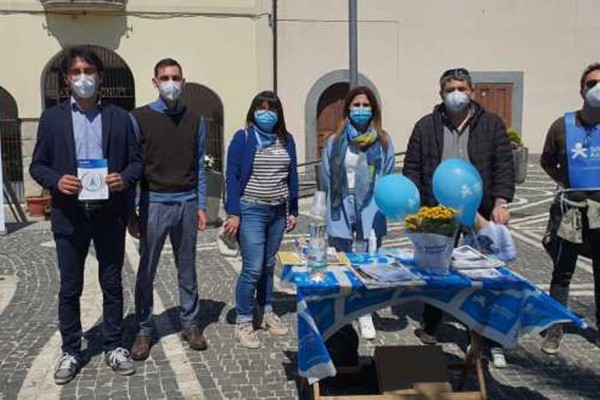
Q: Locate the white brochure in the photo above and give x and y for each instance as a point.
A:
(92, 174)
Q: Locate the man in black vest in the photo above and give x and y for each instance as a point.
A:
(172, 202)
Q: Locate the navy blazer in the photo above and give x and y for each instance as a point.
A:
(240, 159)
(54, 156)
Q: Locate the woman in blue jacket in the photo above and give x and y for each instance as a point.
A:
(261, 203)
(353, 159)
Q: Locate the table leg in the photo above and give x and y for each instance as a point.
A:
(473, 359)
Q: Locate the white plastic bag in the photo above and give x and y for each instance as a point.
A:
(494, 240)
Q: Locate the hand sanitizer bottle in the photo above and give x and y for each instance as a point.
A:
(372, 243)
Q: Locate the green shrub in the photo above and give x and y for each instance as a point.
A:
(515, 137)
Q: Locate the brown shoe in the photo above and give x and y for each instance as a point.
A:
(194, 337)
(141, 347)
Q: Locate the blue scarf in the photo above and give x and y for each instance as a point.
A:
(369, 164)
(263, 139)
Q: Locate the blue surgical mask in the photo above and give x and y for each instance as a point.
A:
(361, 115)
(265, 119)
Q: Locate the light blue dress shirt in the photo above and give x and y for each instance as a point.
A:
(87, 130)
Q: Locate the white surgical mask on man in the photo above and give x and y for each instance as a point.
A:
(592, 96)
(456, 101)
(170, 90)
(84, 86)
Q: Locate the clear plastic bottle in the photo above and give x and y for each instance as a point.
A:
(317, 244)
(317, 251)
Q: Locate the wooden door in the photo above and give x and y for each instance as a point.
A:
(496, 98)
(330, 112)
(328, 122)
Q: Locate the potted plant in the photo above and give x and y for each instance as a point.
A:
(520, 155)
(432, 231)
(38, 206)
(214, 189)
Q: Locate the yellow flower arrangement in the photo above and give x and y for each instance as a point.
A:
(438, 219)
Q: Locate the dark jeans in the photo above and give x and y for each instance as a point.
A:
(179, 221)
(260, 233)
(564, 258)
(108, 234)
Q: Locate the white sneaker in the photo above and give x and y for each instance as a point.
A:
(498, 359)
(366, 327)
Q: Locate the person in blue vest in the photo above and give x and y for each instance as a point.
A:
(571, 157)
(85, 130)
(172, 202)
(261, 204)
(353, 159)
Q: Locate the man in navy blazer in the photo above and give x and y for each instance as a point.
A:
(86, 128)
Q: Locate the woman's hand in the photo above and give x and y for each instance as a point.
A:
(291, 223)
(231, 225)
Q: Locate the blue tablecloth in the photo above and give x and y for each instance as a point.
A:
(500, 309)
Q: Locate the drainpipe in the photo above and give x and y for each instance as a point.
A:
(274, 27)
(353, 43)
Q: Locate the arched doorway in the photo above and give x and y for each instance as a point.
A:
(208, 104)
(118, 86)
(10, 135)
(323, 108)
(330, 111)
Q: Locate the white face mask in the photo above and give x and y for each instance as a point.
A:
(592, 96)
(456, 101)
(170, 90)
(84, 86)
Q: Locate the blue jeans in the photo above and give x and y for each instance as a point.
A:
(180, 222)
(260, 233)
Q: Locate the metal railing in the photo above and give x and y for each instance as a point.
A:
(12, 156)
(308, 174)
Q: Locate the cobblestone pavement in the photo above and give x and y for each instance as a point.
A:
(29, 340)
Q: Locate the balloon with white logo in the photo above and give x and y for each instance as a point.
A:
(457, 184)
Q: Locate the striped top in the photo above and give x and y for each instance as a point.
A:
(268, 182)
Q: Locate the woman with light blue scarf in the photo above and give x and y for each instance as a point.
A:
(262, 203)
(353, 159)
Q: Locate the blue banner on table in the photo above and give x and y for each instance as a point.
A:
(501, 309)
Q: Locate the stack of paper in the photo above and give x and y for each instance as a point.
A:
(481, 274)
(466, 257)
(375, 275)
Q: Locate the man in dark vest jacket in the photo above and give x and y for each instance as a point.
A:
(460, 128)
(571, 157)
(172, 202)
(85, 131)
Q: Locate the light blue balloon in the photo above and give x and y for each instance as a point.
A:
(457, 184)
(396, 196)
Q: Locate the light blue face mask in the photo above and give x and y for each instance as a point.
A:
(361, 115)
(265, 120)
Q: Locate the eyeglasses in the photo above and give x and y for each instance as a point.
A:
(461, 73)
(84, 71)
(591, 83)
